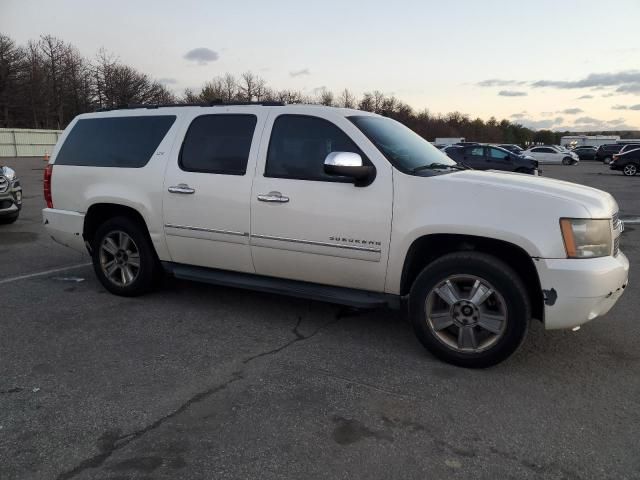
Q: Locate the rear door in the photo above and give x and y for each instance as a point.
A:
(307, 225)
(475, 157)
(208, 187)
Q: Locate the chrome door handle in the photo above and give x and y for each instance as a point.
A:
(275, 197)
(182, 188)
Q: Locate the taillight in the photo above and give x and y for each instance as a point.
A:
(48, 173)
(614, 158)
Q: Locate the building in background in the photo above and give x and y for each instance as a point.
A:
(572, 141)
(22, 142)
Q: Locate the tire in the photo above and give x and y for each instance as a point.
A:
(567, 161)
(6, 220)
(630, 169)
(522, 170)
(115, 258)
(606, 160)
(442, 334)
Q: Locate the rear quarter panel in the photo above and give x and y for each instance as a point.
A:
(77, 188)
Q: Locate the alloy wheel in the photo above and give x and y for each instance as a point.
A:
(119, 258)
(466, 313)
(630, 170)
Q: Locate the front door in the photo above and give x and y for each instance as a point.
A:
(208, 188)
(307, 225)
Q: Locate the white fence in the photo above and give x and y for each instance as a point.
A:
(22, 142)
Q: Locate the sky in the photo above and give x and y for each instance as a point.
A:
(558, 64)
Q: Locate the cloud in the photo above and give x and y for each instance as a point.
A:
(511, 93)
(571, 111)
(585, 97)
(519, 115)
(202, 55)
(298, 73)
(319, 89)
(542, 124)
(606, 95)
(167, 81)
(587, 120)
(496, 82)
(626, 107)
(595, 80)
(633, 88)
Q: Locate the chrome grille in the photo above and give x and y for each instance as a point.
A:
(4, 184)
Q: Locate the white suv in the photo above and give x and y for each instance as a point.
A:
(337, 205)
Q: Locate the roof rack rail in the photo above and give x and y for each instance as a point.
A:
(215, 103)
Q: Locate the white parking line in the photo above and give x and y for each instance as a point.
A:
(41, 274)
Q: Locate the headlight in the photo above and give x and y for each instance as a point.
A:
(586, 238)
(9, 173)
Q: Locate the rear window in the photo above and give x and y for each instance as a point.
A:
(125, 142)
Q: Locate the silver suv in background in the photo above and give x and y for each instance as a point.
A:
(10, 195)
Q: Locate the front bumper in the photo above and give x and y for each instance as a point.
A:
(577, 291)
(11, 201)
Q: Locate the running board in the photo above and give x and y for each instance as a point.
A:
(294, 288)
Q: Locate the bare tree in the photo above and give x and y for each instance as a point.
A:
(347, 99)
(11, 63)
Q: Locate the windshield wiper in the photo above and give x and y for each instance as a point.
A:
(439, 166)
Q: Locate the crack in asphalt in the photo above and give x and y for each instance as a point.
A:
(109, 443)
(299, 337)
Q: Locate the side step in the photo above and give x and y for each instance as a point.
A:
(324, 293)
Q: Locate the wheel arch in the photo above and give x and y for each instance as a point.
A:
(98, 213)
(427, 248)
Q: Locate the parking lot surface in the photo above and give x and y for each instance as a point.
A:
(197, 381)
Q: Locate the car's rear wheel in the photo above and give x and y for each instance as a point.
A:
(469, 309)
(123, 258)
(630, 170)
(606, 160)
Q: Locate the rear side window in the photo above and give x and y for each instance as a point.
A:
(300, 144)
(125, 142)
(218, 144)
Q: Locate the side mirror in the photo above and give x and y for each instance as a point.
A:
(349, 164)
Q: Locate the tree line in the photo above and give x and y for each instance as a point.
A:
(47, 82)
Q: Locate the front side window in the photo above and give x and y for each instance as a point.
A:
(496, 154)
(218, 144)
(299, 145)
(124, 142)
(538, 150)
(405, 149)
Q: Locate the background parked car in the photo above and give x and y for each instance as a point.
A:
(586, 152)
(10, 195)
(549, 154)
(489, 157)
(606, 152)
(512, 148)
(628, 162)
(629, 146)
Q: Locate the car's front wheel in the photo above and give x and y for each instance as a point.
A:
(567, 161)
(630, 170)
(123, 257)
(469, 309)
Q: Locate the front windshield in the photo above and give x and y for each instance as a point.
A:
(405, 149)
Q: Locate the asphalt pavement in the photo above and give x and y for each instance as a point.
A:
(203, 382)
